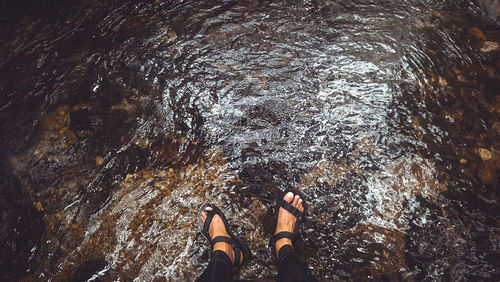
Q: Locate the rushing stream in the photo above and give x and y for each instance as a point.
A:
(118, 119)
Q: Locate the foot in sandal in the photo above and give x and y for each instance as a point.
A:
(286, 220)
(290, 213)
(216, 229)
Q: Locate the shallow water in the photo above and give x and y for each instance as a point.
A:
(120, 120)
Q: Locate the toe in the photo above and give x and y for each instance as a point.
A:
(296, 200)
(288, 197)
(204, 214)
(300, 206)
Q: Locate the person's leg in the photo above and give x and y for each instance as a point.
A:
(222, 258)
(219, 268)
(290, 267)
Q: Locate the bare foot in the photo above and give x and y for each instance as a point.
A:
(286, 220)
(217, 228)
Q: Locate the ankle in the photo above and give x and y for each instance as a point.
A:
(281, 243)
(226, 248)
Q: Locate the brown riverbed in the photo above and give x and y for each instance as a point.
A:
(119, 119)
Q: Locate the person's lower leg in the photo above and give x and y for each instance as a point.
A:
(290, 267)
(222, 257)
(219, 269)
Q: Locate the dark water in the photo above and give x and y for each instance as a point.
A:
(119, 120)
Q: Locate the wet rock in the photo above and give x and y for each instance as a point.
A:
(113, 127)
(21, 228)
(264, 82)
(495, 129)
(492, 74)
(476, 32)
(421, 246)
(79, 120)
(268, 178)
(45, 175)
(126, 106)
(489, 46)
(56, 119)
(129, 161)
(491, 8)
(379, 261)
(170, 37)
(495, 157)
(17, 129)
(69, 137)
(484, 154)
(166, 152)
(443, 81)
(174, 151)
(38, 206)
(89, 269)
(486, 172)
(99, 160)
(118, 167)
(167, 187)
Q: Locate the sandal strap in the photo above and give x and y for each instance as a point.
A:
(281, 235)
(276, 237)
(237, 251)
(291, 209)
(208, 220)
(224, 239)
(241, 251)
(237, 254)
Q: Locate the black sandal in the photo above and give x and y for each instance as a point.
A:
(295, 236)
(239, 248)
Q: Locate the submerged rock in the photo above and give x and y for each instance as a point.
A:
(45, 175)
(495, 129)
(476, 32)
(79, 120)
(491, 8)
(489, 46)
(89, 269)
(486, 172)
(485, 154)
(21, 228)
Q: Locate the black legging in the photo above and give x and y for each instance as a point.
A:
(290, 267)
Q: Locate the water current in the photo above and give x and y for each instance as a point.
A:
(118, 119)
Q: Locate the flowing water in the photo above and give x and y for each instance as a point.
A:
(119, 119)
